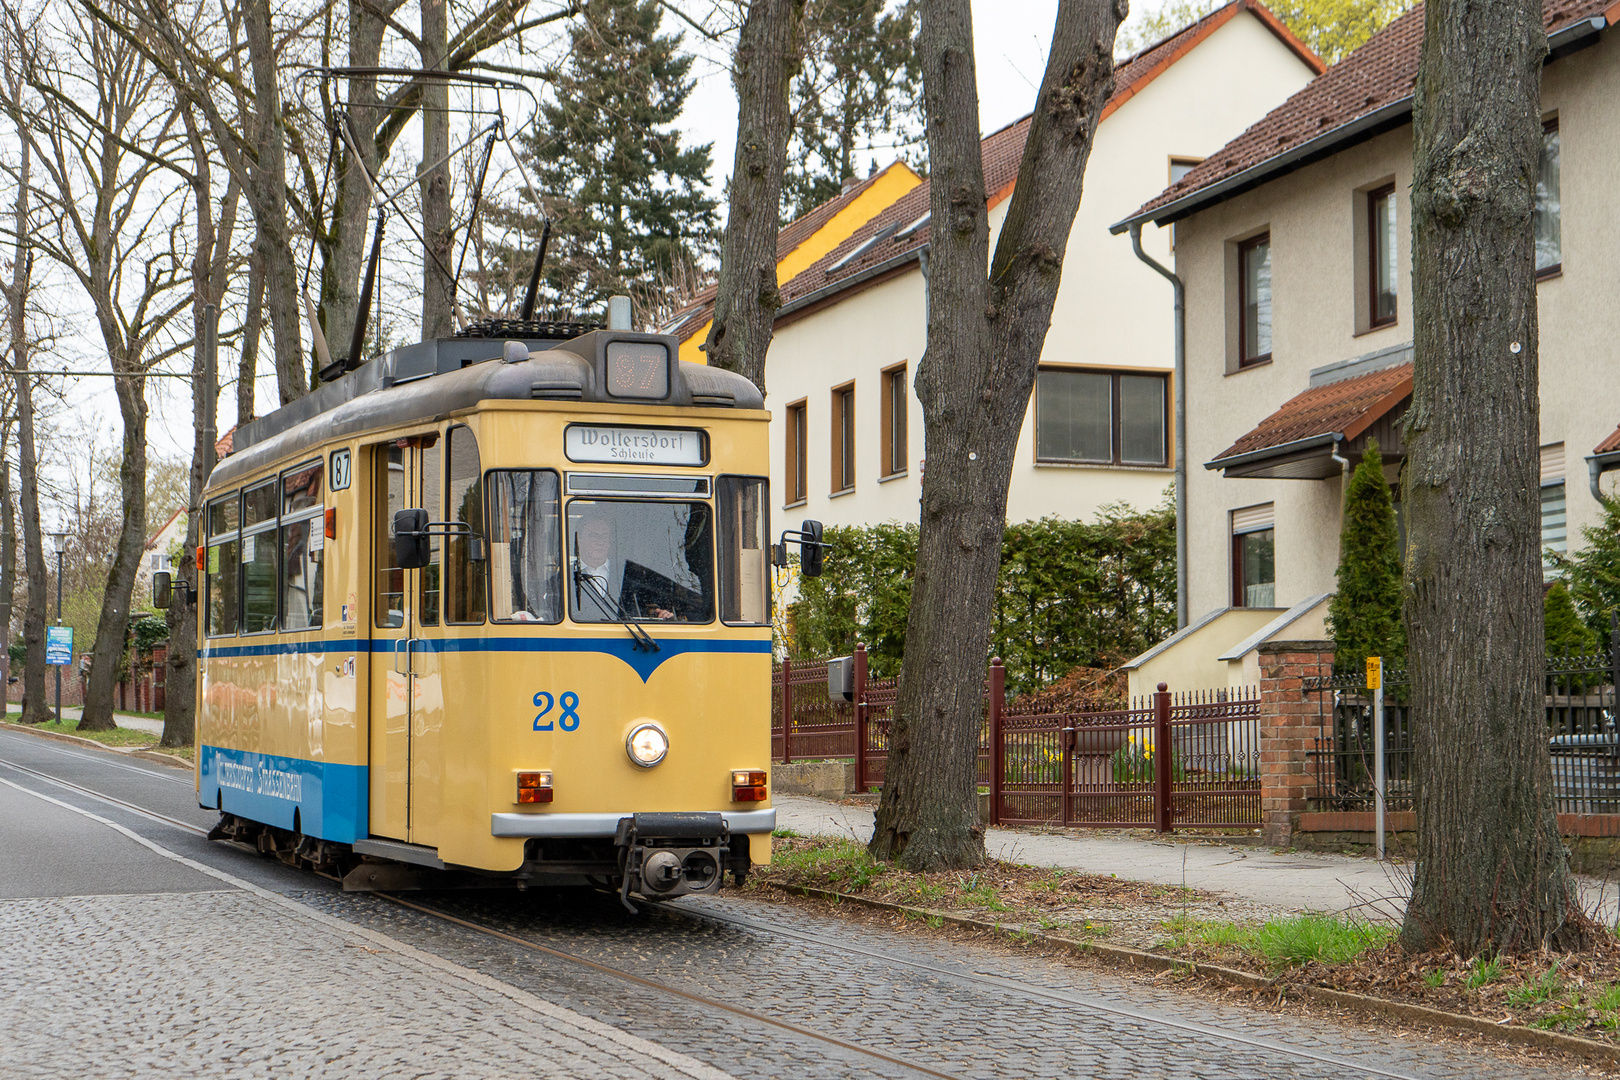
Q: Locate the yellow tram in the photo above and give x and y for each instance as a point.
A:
(500, 606)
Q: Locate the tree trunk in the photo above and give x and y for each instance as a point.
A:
(1491, 873)
(34, 710)
(747, 297)
(112, 628)
(344, 250)
(209, 274)
(273, 243)
(247, 365)
(8, 563)
(438, 293)
(984, 344)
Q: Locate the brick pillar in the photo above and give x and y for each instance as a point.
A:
(1288, 719)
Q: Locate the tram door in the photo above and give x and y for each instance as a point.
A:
(405, 695)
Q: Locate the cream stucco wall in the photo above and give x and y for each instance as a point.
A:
(1111, 310)
(1315, 285)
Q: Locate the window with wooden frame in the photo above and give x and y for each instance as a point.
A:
(1101, 417)
(1382, 256)
(843, 438)
(1548, 224)
(795, 458)
(1254, 301)
(1254, 556)
(895, 402)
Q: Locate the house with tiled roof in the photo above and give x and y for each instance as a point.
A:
(847, 434)
(1293, 242)
(801, 242)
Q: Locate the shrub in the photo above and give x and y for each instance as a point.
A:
(1364, 615)
(1070, 594)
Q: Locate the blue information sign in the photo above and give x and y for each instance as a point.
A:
(59, 644)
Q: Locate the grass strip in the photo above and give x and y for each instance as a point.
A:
(115, 737)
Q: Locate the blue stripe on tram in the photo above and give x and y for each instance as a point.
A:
(331, 800)
(641, 661)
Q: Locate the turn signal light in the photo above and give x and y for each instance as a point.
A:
(331, 523)
(534, 787)
(748, 785)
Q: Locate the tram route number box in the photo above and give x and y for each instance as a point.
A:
(59, 645)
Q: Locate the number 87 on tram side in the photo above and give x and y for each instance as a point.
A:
(497, 605)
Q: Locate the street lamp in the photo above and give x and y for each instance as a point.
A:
(61, 539)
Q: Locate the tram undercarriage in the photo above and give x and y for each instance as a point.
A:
(655, 856)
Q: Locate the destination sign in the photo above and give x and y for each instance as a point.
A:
(634, 445)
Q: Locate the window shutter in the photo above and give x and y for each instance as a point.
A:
(1254, 518)
(1552, 464)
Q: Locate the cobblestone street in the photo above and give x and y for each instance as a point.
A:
(129, 946)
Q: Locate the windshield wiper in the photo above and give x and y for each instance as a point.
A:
(593, 584)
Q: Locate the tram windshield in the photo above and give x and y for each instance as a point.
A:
(641, 561)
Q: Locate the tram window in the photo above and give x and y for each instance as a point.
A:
(464, 502)
(525, 553)
(303, 547)
(389, 580)
(427, 612)
(745, 591)
(648, 561)
(259, 559)
(223, 560)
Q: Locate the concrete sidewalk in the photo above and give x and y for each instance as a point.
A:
(1286, 882)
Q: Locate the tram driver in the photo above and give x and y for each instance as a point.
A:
(610, 585)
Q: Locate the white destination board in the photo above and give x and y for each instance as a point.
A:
(640, 446)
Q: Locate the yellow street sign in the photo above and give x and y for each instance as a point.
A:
(1375, 672)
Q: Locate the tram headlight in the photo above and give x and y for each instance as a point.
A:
(647, 745)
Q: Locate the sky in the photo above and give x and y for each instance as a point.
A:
(1010, 40)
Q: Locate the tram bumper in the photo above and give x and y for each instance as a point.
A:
(662, 855)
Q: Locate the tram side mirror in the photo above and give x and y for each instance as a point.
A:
(162, 590)
(412, 545)
(810, 548)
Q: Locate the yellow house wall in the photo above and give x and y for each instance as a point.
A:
(889, 185)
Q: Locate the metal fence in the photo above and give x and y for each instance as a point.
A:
(1579, 702)
(1097, 767)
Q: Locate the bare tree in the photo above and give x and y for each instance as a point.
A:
(1491, 871)
(746, 301)
(984, 343)
(100, 126)
(16, 40)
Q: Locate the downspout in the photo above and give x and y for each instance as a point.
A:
(1180, 292)
(1594, 469)
(1340, 460)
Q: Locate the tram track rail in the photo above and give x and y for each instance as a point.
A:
(1046, 996)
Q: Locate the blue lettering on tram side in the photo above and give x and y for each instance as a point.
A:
(331, 800)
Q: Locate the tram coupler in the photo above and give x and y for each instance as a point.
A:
(665, 855)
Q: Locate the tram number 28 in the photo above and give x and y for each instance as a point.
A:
(568, 719)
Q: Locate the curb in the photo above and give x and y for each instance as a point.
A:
(79, 740)
(174, 761)
(1586, 1049)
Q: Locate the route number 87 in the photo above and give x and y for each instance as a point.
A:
(568, 719)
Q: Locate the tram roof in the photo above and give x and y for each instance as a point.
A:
(432, 379)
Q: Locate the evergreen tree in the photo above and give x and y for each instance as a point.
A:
(1566, 634)
(1593, 572)
(1364, 616)
(859, 88)
(626, 197)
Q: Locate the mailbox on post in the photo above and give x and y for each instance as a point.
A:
(841, 678)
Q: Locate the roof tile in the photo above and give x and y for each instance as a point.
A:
(1348, 406)
(1379, 73)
